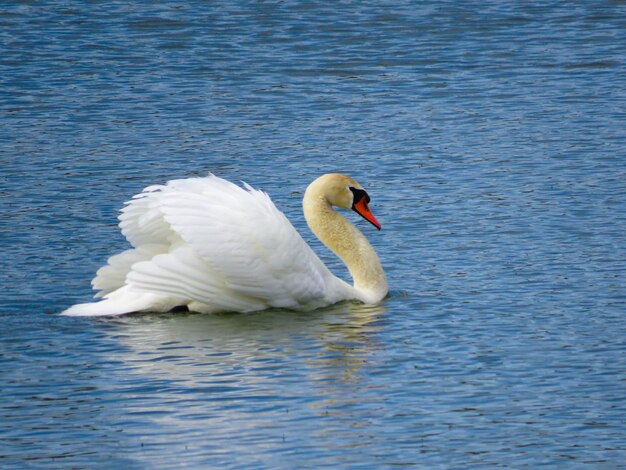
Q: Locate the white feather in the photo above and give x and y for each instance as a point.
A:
(113, 276)
(211, 245)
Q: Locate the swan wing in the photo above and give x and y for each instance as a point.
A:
(113, 275)
(229, 247)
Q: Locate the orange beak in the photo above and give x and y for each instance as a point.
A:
(363, 210)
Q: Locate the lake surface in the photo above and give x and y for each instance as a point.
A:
(491, 138)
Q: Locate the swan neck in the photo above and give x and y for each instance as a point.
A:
(348, 243)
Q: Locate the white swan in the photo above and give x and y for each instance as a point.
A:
(210, 245)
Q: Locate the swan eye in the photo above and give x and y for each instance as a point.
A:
(359, 194)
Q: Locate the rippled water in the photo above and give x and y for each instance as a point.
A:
(491, 138)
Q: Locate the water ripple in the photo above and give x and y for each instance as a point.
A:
(490, 137)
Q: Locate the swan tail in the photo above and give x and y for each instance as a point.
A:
(122, 301)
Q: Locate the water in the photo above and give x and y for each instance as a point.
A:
(491, 139)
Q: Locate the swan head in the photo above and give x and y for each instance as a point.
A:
(346, 193)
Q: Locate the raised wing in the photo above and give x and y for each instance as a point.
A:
(229, 247)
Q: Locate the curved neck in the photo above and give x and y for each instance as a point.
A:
(348, 243)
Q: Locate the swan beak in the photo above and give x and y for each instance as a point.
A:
(364, 211)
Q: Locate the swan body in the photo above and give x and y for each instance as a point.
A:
(210, 245)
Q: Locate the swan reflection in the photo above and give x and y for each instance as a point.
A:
(251, 350)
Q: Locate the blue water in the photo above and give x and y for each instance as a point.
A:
(491, 137)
